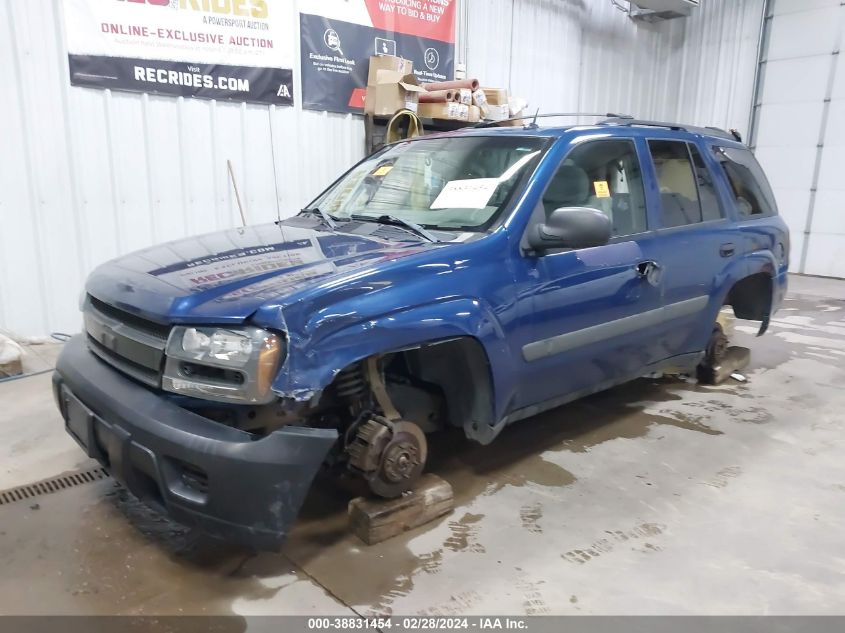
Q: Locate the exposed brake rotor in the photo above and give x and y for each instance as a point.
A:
(389, 455)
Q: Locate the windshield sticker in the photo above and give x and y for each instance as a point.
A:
(602, 190)
(382, 171)
(466, 194)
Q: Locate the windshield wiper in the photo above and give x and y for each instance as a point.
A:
(327, 219)
(395, 220)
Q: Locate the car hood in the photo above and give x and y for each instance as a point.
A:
(225, 277)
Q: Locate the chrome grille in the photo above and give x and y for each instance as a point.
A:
(131, 344)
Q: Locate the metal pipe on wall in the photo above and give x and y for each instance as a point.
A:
(762, 51)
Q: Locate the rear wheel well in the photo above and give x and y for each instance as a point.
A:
(751, 297)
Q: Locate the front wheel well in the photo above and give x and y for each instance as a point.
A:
(461, 369)
(434, 384)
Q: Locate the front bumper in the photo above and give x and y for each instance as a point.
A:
(204, 474)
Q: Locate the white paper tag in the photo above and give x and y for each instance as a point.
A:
(474, 193)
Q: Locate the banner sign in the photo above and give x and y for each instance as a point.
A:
(239, 50)
(336, 44)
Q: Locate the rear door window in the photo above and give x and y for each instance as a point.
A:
(752, 193)
(710, 207)
(676, 177)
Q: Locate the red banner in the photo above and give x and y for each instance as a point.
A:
(432, 19)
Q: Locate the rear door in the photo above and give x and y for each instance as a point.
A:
(752, 199)
(695, 243)
(593, 310)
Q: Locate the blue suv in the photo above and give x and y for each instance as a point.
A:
(469, 279)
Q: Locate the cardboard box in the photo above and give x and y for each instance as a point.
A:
(496, 96)
(392, 91)
(466, 96)
(474, 114)
(450, 110)
(479, 99)
(388, 62)
(498, 112)
(517, 122)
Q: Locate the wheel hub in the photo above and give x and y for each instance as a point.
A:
(390, 456)
(400, 460)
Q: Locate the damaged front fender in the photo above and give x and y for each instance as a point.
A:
(312, 365)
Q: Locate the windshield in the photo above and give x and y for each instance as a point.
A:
(448, 183)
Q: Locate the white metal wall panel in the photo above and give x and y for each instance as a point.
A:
(789, 125)
(545, 55)
(624, 65)
(488, 45)
(571, 55)
(45, 229)
(719, 51)
(795, 80)
(791, 6)
(800, 73)
(86, 175)
(826, 241)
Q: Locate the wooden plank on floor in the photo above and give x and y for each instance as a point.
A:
(374, 520)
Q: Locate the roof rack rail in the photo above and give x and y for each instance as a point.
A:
(710, 131)
(535, 116)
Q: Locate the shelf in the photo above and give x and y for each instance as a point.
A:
(375, 128)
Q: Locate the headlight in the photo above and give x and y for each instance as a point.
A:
(225, 364)
(225, 346)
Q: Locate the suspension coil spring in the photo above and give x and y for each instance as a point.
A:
(350, 382)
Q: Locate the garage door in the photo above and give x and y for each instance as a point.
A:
(800, 128)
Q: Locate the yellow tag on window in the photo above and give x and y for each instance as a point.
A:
(602, 190)
(383, 170)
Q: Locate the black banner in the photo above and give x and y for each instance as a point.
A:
(206, 81)
(335, 60)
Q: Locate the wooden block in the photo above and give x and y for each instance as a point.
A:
(374, 520)
(736, 359)
(12, 368)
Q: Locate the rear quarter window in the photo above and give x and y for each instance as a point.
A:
(752, 193)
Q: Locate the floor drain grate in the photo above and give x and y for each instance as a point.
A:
(49, 486)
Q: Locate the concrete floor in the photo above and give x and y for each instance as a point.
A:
(659, 497)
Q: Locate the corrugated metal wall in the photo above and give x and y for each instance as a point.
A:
(86, 175)
(586, 55)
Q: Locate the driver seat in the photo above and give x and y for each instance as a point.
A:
(570, 187)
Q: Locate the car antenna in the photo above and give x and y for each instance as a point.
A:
(237, 195)
(273, 157)
(533, 124)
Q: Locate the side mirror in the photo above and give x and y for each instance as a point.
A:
(570, 227)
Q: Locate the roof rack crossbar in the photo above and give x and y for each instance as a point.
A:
(610, 116)
(618, 119)
(711, 131)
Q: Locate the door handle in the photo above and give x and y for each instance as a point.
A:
(650, 271)
(726, 250)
